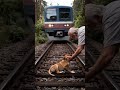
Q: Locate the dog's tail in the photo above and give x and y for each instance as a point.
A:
(50, 73)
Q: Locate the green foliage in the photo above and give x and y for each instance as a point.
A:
(40, 4)
(16, 33)
(8, 8)
(21, 22)
(11, 34)
(39, 26)
(79, 21)
(40, 36)
(78, 7)
(12, 22)
(39, 39)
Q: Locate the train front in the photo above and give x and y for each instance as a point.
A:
(58, 20)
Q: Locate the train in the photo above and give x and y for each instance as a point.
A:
(57, 21)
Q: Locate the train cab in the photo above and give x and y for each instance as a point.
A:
(57, 21)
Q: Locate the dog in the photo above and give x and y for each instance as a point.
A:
(62, 65)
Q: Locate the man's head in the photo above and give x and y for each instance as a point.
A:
(73, 33)
(94, 13)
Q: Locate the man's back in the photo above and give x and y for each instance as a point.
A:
(111, 23)
(81, 35)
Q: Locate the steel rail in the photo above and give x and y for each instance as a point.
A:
(62, 84)
(71, 46)
(13, 74)
(49, 84)
(43, 54)
(106, 76)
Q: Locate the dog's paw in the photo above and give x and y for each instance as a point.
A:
(72, 71)
(61, 72)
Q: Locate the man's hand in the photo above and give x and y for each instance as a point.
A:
(88, 74)
(69, 58)
(104, 59)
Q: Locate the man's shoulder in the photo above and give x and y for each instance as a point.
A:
(112, 7)
(113, 3)
(81, 29)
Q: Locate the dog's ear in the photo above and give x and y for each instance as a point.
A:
(64, 57)
(67, 55)
(64, 54)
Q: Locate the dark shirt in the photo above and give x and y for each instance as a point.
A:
(111, 24)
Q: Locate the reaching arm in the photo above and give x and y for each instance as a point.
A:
(78, 51)
(103, 60)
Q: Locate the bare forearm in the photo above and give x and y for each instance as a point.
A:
(78, 51)
(104, 59)
(99, 66)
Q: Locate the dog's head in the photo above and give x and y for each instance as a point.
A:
(65, 56)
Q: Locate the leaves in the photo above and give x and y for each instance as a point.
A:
(40, 36)
(40, 4)
(78, 7)
(16, 33)
(12, 21)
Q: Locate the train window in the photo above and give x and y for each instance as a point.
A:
(51, 14)
(64, 14)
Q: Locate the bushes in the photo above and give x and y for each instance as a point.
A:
(12, 22)
(40, 39)
(80, 21)
(40, 36)
(39, 27)
(16, 33)
(11, 34)
(78, 6)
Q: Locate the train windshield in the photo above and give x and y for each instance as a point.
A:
(51, 14)
(64, 14)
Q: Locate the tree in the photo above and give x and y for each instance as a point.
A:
(78, 7)
(39, 8)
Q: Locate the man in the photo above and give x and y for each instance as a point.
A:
(111, 30)
(77, 33)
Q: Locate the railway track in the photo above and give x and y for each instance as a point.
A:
(109, 78)
(23, 76)
(12, 60)
(64, 81)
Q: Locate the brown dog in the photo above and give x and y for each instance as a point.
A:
(58, 67)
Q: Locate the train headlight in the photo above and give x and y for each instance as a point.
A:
(67, 24)
(50, 25)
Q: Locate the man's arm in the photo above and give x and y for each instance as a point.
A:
(104, 59)
(78, 51)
